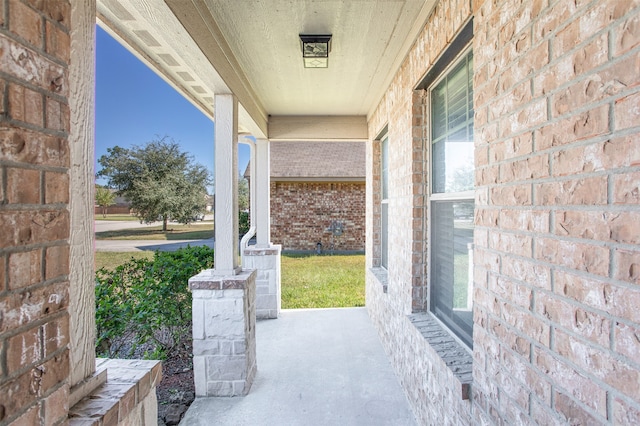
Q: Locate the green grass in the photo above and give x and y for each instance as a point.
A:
(322, 281)
(174, 232)
(110, 260)
(307, 281)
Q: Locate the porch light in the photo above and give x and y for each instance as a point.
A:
(315, 50)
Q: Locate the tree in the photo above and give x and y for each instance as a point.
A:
(104, 198)
(158, 179)
(243, 193)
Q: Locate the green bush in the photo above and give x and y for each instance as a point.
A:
(143, 307)
(243, 223)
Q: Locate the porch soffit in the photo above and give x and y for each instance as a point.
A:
(251, 48)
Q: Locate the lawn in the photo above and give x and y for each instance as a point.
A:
(174, 232)
(110, 260)
(307, 281)
(322, 281)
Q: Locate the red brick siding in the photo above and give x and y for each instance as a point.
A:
(34, 196)
(557, 122)
(301, 212)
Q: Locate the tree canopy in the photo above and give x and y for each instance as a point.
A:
(243, 193)
(158, 179)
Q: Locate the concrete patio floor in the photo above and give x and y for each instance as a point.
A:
(315, 367)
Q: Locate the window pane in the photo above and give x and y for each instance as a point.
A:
(385, 168)
(452, 265)
(452, 130)
(384, 220)
(439, 113)
(384, 236)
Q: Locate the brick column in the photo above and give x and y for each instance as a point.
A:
(266, 261)
(35, 92)
(224, 333)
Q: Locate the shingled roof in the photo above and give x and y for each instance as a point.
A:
(317, 161)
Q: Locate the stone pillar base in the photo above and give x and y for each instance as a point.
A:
(224, 333)
(268, 295)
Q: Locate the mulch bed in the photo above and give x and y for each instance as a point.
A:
(176, 391)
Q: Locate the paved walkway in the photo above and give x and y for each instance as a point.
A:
(315, 367)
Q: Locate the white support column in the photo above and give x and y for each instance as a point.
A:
(264, 256)
(82, 316)
(262, 181)
(226, 184)
(223, 307)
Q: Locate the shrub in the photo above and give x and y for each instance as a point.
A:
(143, 307)
(243, 223)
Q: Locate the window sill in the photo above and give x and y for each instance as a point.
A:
(382, 276)
(456, 356)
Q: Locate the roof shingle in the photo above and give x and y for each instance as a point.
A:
(317, 161)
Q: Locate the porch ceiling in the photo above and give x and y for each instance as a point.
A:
(251, 48)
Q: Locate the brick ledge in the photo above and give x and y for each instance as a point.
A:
(129, 382)
(456, 357)
(206, 280)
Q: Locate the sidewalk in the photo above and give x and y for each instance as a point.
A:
(152, 245)
(315, 367)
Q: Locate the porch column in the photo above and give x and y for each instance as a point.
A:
(226, 185)
(82, 316)
(263, 194)
(264, 256)
(224, 315)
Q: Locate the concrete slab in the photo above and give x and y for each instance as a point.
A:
(315, 367)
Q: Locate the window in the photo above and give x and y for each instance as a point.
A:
(452, 197)
(384, 196)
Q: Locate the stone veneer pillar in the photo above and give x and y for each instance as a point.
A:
(267, 263)
(224, 333)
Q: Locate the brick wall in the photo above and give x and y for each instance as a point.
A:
(558, 173)
(301, 213)
(557, 118)
(34, 217)
(432, 390)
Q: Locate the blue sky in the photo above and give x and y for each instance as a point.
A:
(135, 106)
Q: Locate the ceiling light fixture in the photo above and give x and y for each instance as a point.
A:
(315, 50)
